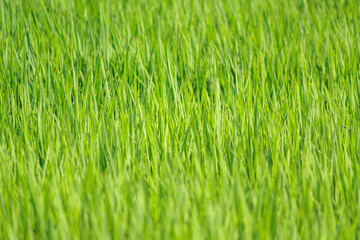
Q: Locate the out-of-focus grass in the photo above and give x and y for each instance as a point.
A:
(179, 119)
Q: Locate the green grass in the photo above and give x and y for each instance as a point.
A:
(179, 119)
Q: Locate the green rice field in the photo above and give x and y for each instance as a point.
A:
(179, 119)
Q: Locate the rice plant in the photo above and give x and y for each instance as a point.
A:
(179, 119)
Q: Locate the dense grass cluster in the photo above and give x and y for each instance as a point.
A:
(179, 119)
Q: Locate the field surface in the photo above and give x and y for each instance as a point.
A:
(179, 119)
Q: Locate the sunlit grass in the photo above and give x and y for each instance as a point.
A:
(179, 119)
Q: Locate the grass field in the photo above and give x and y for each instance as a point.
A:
(179, 119)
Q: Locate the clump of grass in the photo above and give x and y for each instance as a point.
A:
(179, 119)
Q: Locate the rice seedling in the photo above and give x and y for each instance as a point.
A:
(179, 119)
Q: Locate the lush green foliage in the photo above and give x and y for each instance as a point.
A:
(178, 119)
